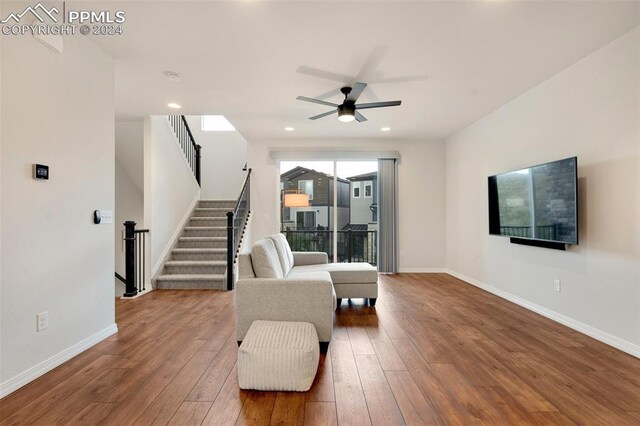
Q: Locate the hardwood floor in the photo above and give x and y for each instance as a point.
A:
(433, 351)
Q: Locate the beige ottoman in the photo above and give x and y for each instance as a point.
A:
(278, 356)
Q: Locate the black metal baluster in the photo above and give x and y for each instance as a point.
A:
(139, 241)
(144, 262)
(230, 250)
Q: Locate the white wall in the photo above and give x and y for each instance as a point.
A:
(1, 238)
(592, 110)
(130, 150)
(223, 156)
(129, 206)
(170, 189)
(57, 109)
(421, 176)
(129, 137)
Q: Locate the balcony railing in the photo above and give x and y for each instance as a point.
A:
(353, 246)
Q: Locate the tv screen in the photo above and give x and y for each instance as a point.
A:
(536, 203)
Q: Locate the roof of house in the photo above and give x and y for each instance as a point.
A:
(299, 170)
(364, 176)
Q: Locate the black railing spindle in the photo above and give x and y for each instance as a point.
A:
(190, 149)
(236, 224)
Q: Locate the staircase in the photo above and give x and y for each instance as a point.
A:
(199, 259)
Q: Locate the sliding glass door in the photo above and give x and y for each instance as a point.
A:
(331, 206)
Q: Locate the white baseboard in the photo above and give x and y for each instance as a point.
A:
(38, 370)
(604, 337)
(174, 238)
(422, 271)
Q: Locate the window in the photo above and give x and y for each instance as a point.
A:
(216, 123)
(306, 187)
(368, 189)
(305, 220)
(356, 189)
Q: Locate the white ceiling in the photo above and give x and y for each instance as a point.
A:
(449, 62)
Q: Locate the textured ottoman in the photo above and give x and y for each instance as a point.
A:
(278, 356)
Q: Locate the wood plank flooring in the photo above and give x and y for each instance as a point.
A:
(434, 350)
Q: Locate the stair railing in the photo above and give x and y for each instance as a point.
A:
(236, 224)
(135, 250)
(188, 144)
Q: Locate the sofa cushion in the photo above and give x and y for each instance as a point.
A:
(343, 273)
(266, 263)
(284, 252)
(245, 267)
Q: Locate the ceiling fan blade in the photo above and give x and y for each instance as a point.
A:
(359, 117)
(316, 101)
(327, 75)
(315, 117)
(330, 94)
(406, 79)
(356, 91)
(378, 104)
(372, 63)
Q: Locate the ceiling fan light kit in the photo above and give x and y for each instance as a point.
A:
(348, 110)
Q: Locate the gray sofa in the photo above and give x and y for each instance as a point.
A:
(277, 284)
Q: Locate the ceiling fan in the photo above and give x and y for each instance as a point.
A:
(348, 109)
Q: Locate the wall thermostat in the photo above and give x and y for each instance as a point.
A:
(102, 216)
(40, 171)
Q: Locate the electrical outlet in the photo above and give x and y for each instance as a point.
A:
(556, 285)
(42, 321)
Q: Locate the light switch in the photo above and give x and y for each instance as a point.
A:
(102, 216)
(107, 216)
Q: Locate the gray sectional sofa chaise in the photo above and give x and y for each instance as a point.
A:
(277, 284)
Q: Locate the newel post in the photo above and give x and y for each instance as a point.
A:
(230, 251)
(130, 260)
(198, 156)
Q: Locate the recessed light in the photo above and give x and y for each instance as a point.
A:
(173, 76)
(216, 123)
(385, 129)
(289, 129)
(174, 105)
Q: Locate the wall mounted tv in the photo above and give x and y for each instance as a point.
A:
(537, 205)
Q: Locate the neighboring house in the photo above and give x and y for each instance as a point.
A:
(364, 201)
(319, 186)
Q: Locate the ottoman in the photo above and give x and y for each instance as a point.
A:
(278, 356)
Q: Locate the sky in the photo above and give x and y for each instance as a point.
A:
(345, 168)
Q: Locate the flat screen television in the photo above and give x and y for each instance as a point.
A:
(538, 203)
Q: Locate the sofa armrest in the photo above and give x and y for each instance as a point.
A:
(302, 258)
(309, 299)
